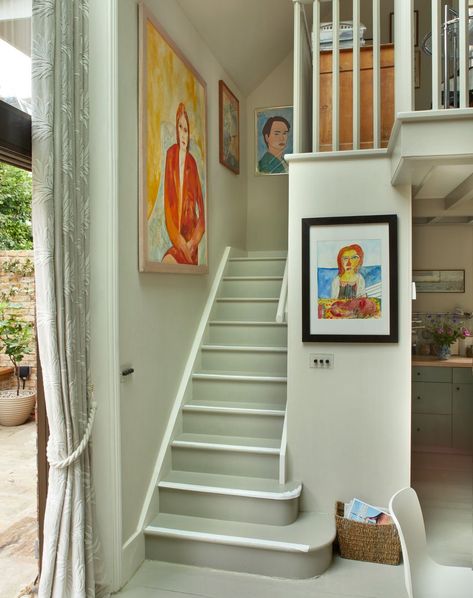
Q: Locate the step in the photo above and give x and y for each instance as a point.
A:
(248, 308)
(268, 266)
(272, 334)
(300, 550)
(227, 358)
(236, 421)
(232, 388)
(230, 455)
(234, 498)
(250, 286)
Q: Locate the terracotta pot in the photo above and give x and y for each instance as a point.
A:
(15, 410)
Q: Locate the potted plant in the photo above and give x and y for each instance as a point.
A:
(15, 337)
(444, 331)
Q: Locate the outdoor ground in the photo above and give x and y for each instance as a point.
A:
(18, 521)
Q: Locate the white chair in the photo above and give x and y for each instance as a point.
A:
(424, 577)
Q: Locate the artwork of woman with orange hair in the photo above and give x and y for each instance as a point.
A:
(183, 201)
(349, 282)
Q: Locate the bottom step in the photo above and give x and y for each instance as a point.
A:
(300, 550)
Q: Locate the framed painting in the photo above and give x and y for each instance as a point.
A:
(349, 279)
(173, 156)
(439, 281)
(229, 128)
(273, 139)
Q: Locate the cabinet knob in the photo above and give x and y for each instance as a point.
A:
(418, 429)
(418, 373)
(458, 388)
(418, 398)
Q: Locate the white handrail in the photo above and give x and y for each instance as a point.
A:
(404, 55)
(316, 76)
(463, 23)
(282, 304)
(282, 453)
(335, 76)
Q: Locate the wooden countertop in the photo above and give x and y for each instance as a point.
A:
(455, 361)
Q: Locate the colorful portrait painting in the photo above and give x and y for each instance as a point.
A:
(229, 128)
(173, 156)
(349, 279)
(273, 134)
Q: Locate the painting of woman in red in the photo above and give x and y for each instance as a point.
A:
(183, 201)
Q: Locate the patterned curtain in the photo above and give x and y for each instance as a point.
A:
(71, 564)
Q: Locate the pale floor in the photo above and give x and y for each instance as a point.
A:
(18, 518)
(444, 486)
(443, 482)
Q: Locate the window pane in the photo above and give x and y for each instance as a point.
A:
(15, 53)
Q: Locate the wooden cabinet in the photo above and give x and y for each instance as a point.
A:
(442, 408)
(366, 97)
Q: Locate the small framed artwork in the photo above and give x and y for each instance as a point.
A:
(349, 279)
(439, 281)
(416, 28)
(229, 128)
(173, 156)
(273, 137)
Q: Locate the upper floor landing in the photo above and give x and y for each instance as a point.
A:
(397, 78)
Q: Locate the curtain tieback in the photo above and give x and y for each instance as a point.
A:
(81, 447)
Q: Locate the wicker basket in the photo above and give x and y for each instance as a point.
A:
(366, 542)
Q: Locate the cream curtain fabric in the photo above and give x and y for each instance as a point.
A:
(71, 567)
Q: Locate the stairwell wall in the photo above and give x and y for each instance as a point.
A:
(349, 427)
(159, 313)
(267, 195)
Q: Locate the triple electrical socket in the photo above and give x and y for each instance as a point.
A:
(322, 361)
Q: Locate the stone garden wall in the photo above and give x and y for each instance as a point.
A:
(17, 287)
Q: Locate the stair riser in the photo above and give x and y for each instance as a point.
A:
(254, 426)
(250, 288)
(236, 558)
(261, 311)
(256, 268)
(223, 390)
(233, 508)
(244, 335)
(225, 462)
(245, 361)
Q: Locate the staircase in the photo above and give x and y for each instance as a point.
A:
(221, 501)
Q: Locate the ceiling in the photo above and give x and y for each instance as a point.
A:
(444, 196)
(250, 37)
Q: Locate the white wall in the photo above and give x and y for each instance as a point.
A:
(267, 195)
(443, 247)
(348, 428)
(144, 320)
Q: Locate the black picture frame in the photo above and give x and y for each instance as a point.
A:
(371, 317)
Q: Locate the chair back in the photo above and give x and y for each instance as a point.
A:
(407, 516)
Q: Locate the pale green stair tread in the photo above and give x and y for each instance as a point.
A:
(230, 441)
(257, 376)
(247, 323)
(309, 532)
(232, 484)
(235, 406)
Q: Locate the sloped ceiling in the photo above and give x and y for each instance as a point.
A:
(249, 37)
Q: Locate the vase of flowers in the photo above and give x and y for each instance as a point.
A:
(444, 331)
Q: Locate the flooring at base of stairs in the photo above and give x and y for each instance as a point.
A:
(344, 579)
(296, 551)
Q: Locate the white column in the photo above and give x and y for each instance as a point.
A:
(436, 55)
(464, 53)
(316, 76)
(335, 76)
(356, 74)
(404, 55)
(376, 77)
(296, 135)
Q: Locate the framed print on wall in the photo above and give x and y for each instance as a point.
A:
(229, 128)
(273, 136)
(173, 156)
(349, 279)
